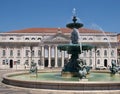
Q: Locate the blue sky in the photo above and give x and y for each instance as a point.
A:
(94, 14)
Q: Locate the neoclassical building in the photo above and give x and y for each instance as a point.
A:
(18, 48)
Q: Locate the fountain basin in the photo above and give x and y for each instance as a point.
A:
(59, 84)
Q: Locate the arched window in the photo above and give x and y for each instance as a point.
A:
(32, 38)
(11, 38)
(26, 38)
(105, 39)
(84, 38)
(39, 39)
(90, 38)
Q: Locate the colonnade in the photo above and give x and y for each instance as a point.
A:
(53, 55)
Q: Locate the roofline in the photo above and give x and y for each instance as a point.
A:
(55, 30)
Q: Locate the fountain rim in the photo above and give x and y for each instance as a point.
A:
(60, 85)
(8, 75)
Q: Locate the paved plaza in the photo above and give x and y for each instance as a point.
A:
(6, 89)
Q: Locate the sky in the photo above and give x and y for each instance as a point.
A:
(94, 14)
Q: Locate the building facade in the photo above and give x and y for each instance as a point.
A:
(19, 48)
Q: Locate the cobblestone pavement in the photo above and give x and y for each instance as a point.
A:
(6, 89)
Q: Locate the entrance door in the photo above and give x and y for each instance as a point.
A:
(105, 62)
(59, 62)
(53, 63)
(46, 62)
(11, 63)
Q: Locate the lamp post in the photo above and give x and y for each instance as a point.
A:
(95, 55)
(31, 48)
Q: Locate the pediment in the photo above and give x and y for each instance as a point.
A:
(59, 37)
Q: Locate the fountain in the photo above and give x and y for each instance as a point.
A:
(75, 66)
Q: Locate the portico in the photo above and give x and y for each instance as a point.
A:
(52, 57)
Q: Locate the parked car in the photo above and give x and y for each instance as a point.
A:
(101, 68)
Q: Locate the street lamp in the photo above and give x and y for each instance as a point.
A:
(95, 55)
(31, 50)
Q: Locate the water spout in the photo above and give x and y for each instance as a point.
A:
(74, 12)
(99, 28)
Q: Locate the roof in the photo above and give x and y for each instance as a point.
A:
(54, 30)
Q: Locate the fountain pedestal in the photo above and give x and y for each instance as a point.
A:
(74, 67)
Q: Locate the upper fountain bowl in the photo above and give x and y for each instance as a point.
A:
(74, 24)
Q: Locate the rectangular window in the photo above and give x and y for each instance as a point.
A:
(3, 62)
(39, 53)
(18, 53)
(90, 53)
(105, 52)
(33, 53)
(11, 52)
(4, 53)
(18, 62)
(112, 53)
(27, 53)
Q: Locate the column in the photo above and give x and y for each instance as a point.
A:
(42, 57)
(56, 57)
(109, 56)
(62, 57)
(49, 56)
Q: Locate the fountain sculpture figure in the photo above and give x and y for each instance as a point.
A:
(75, 66)
(33, 68)
(113, 69)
